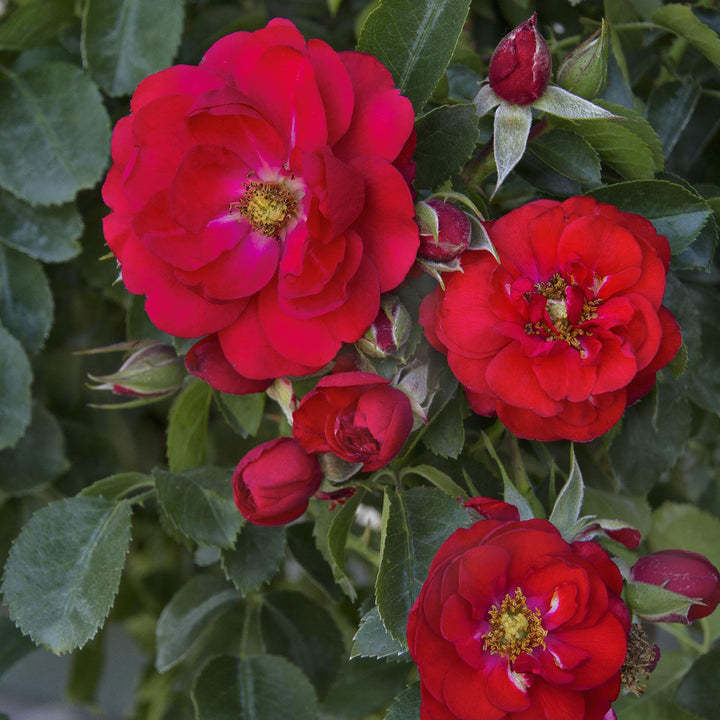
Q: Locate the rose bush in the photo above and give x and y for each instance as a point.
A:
(262, 199)
(568, 328)
(274, 481)
(515, 623)
(356, 416)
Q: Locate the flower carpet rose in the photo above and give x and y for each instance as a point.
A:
(355, 415)
(514, 623)
(274, 481)
(683, 572)
(262, 199)
(568, 328)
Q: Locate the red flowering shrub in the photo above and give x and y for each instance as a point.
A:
(274, 481)
(262, 196)
(515, 623)
(356, 416)
(568, 328)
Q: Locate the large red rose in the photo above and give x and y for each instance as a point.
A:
(514, 623)
(356, 416)
(568, 328)
(261, 198)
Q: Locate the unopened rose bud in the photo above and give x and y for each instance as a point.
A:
(584, 71)
(520, 67)
(389, 331)
(446, 235)
(153, 370)
(684, 573)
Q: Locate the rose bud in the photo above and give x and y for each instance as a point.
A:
(685, 573)
(584, 71)
(491, 509)
(446, 235)
(520, 67)
(389, 331)
(152, 370)
(274, 481)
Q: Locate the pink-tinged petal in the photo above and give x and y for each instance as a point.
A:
(117, 229)
(456, 621)
(241, 271)
(283, 87)
(208, 180)
(526, 423)
(248, 350)
(431, 709)
(121, 143)
(221, 57)
(386, 225)
(382, 119)
(173, 307)
(584, 421)
(435, 658)
(206, 360)
(544, 232)
(465, 693)
(335, 88)
(175, 80)
(112, 191)
(339, 188)
(482, 578)
(644, 331)
(429, 309)
(616, 366)
(481, 403)
(509, 375)
(507, 689)
(558, 702)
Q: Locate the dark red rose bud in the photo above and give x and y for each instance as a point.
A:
(453, 232)
(685, 573)
(520, 67)
(390, 330)
(274, 481)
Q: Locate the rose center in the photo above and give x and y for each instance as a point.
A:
(514, 628)
(267, 206)
(562, 314)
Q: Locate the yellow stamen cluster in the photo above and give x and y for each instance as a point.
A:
(266, 205)
(561, 329)
(514, 628)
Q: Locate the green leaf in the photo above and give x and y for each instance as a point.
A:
(189, 615)
(258, 687)
(669, 110)
(653, 433)
(679, 525)
(54, 133)
(200, 504)
(446, 139)
(511, 128)
(331, 532)
(121, 44)
(243, 413)
(681, 20)
(15, 379)
(64, 568)
(188, 426)
(37, 459)
(35, 23)
(569, 501)
(652, 602)
(676, 213)
(255, 558)
(118, 486)
(415, 524)
(303, 548)
(632, 510)
(86, 671)
(14, 646)
(438, 478)
(705, 380)
(305, 633)
(445, 435)
(415, 40)
(373, 640)
(568, 154)
(406, 705)
(49, 234)
(697, 691)
(26, 301)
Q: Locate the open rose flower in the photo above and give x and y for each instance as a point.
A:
(356, 416)
(568, 328)
(261, 199)
(514, 623)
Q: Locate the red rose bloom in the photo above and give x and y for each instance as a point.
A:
(514, 623)
(356, 416)
(261, 196)
(568, 328)
(274, 481)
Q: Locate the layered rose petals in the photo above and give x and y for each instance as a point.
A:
(567, 330)
(514, 623)
(261, 200)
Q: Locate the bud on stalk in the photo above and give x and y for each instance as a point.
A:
(447, 236)
(520, 67)
(389, 331)
(584, 71)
